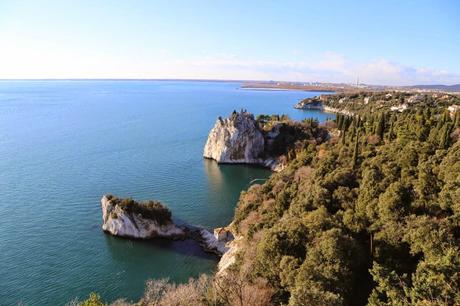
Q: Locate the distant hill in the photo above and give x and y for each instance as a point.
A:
(451, 88)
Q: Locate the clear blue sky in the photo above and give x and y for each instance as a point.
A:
(385, 42)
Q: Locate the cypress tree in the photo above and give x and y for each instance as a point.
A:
(380, 129)
(339, 120)
(445, 136)
(343, 137)
(346, 123)
(355, 151)
(391, 132)
(457, 119)
(445, 117)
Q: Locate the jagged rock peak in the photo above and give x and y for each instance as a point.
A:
(236, 139)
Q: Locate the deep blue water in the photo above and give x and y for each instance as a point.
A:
(63, 144)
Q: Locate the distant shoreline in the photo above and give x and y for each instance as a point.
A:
(269, 85)
(283, 89)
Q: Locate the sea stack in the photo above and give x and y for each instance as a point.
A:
(236, 139)
(142, 220)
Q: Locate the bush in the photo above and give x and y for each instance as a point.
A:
(153, 210)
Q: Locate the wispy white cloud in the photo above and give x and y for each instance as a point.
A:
(327, 67)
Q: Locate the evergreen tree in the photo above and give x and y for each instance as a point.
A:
(445, 135)
(356, 151)
(457, 119)
(380, 129)
(343, 137)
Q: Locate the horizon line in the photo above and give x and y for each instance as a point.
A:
(210, 80)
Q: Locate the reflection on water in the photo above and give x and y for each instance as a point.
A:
(228, 180)
(214, 175)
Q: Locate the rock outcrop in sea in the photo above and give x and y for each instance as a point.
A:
(239, 140)
(264, 141)
(235, 140)
(128, 218)
(146, 220)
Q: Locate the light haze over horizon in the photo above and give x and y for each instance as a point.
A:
(384, 42)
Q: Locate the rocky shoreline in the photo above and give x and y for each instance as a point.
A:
(317, 103)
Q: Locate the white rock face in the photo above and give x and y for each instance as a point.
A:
(118, 222)
(217, 242)
(235, 140)
(229, 257)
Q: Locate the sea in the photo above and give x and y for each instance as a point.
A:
(65, 143)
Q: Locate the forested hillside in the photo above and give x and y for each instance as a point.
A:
(372, 216)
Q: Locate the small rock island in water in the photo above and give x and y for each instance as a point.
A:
(131, 219)
(151, 219)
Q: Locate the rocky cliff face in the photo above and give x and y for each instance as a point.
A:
(217, 243)
(121, 221)
(236, 139)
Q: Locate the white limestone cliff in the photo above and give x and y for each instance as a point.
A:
(235, 140)
(224, 244)
(119, 222)
(218, 241)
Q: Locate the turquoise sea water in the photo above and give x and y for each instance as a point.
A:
(63, 144)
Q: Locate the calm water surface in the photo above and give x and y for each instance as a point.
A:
(63, 144)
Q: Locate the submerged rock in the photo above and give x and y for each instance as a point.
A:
(235, 140)
(128, 218)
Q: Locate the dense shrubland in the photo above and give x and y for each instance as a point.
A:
(371, 216)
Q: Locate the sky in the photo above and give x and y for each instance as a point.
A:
(382, 42)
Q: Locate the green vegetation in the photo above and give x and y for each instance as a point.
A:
(152, 210)
(284, 135)
(366, 103)
(369, 217)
